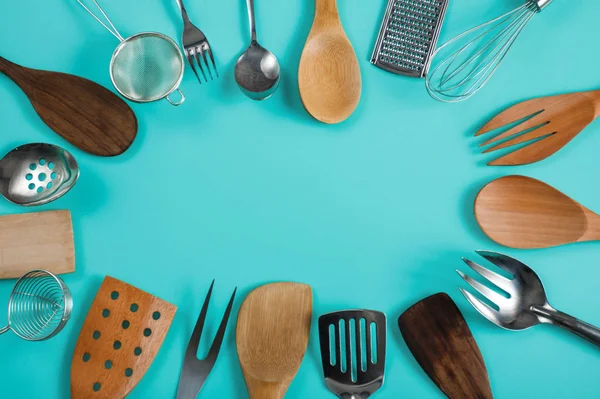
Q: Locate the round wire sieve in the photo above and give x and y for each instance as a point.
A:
(145, 67)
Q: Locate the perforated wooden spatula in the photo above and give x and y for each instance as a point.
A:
(120, 337)
(440, 340)
(272, 336)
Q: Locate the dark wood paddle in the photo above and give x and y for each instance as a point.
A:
(87, 115)
(438, 337)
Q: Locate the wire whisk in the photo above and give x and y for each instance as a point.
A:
(464, 64)
(39, 306)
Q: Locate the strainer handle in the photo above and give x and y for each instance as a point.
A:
(181, 100)
(110, 28)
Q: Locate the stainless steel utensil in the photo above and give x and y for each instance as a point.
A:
(39, 306)
(464, 64)
(353, 346)
(408, 36)
(36, 174)
(257, 71)
(195, 371)
(145, 67)
(195, 45)
(526, 304)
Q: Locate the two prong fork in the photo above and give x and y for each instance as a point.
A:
(195, 371)
(522, 303)
(196, 47)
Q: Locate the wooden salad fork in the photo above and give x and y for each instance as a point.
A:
(543, 126)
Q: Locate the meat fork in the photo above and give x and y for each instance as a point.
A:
(196, 46)
(525, 304)
(195, 371)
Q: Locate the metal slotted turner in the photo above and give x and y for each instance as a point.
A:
(353, 346)
(408, 36)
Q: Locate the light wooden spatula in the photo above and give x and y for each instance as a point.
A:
(521, 212)
(39, 240)
(272, 336)
(545, 125)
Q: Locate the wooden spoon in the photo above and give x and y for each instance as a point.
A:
(440, 340)
(329, 74)
(87, 115)
(521, 212)
(272, 335)
(549, 124)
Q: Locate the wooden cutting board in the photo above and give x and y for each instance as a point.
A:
(41, 240)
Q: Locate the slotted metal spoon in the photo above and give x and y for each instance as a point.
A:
(36, 174)
(526, 305)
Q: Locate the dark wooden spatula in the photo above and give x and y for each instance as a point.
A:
(440, 340)
(87, 115)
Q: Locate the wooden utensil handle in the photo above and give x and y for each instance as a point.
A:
(595, 94)
(13, 71)
(326, 8)
(265, 390)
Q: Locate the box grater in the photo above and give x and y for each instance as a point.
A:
(408, 36)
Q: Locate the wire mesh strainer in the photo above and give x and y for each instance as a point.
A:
(145, 67)
(39, 306)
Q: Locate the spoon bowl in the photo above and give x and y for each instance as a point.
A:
(257, 72)
(36, 174)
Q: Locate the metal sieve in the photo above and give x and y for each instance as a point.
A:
(145, 67)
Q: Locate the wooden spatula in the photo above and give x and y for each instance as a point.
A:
(120, 337)
(440, 340)
(40, 240)
(87, 115)
(272, 335)
(329, 75)
(521, 212)
(548, 123)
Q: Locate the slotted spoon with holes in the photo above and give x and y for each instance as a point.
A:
(543, 125)
(353, 346)
(526, 304)
(36, 174)
(120, 337)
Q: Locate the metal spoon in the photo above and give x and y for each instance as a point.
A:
(257, 70)
(526, 304)
(36, 174)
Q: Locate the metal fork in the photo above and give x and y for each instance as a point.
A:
(196, 46)
(526, 304)
(195, 371)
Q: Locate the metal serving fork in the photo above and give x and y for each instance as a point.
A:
(195, 371)
(196, 46)
(526, 304)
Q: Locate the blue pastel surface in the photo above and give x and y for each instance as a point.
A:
(375, 212)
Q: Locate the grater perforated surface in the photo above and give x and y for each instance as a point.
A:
(408, 35)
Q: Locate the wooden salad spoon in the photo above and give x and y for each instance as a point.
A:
(521, 212)
(272, 336)
(329, 75)
(87, 115)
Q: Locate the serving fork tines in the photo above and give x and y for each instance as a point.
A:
(196, 47)
(195, 371)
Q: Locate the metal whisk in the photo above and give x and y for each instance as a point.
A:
(39, 306)
(464, 64)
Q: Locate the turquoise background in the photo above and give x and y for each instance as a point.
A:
(375, 212)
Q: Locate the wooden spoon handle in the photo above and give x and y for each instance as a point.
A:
(266, 390)
(326, 9)
(12, 70)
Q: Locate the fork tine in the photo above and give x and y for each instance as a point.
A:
(216, 345)
(504, 262)
(195, 52)
(489, 275)
(484, 309)
(533, 152)
(526, 109)
(534, 121)
(190, 59)
(537, 133)
(194, 342)
(490, 294)
(203, 53)
(212, 59)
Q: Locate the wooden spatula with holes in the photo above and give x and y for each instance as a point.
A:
(440, 340)
(272, 336)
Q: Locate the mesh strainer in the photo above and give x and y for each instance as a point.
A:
(145, 67)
